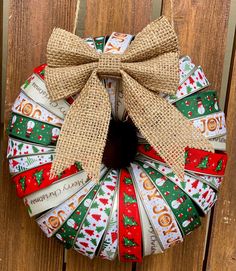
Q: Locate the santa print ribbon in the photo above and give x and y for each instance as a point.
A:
(34, 179)
(198, 161)
(149, 66)
(32, 130)
(96, 221)
(130, 231)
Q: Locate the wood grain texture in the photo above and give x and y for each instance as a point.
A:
(201, 36)
(222, 249)
(23, 245)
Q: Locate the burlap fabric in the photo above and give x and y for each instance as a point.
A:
(150, 66)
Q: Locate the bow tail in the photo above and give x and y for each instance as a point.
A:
(83, 134)
(163, 126)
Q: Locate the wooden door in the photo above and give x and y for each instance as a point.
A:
(202, 27)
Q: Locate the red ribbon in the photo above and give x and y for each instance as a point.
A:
(130, 231)
(37, 178)
(199, 161)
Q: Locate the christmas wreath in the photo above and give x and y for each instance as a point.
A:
(115, 146)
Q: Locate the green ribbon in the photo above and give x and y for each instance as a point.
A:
(32, 130)
(199, 105)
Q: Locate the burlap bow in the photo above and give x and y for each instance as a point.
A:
(149, 67)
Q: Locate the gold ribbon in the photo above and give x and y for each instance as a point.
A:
(149, 66)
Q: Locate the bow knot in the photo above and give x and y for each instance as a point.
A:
(149, 67)
(109, 65)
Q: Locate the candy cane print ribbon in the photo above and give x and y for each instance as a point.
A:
(199, 192)
(19, 148)
(130, 232)
(159, 213)
(22, 163)
(68, 231)
(211, 125)
(55, 194)
(34, 179)
(51, 221)
(180, 203)
(32, 130)
(25, 106)
(35, 88)
(109, 244)
(197, 161)
(195, 82)
(93, 228)
(149, 238)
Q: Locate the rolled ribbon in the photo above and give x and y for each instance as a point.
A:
(19, 164)
(198, 105)
(200, 192)
(195, 82)
(211, 125)
(109, 244)
(180, 203)
(94, 226)
(52, 220)
(130, 232)
(196, 161)
(35, 88)
(18, 148)
(53, 195)
(148, 67)
(159, 212)
(32, 130)
(34, 179)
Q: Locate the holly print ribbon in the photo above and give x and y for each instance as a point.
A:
(93, 227)
(130, 232)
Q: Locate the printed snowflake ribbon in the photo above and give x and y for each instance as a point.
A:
(149, 66)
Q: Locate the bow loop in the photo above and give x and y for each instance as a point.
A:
(150, 66)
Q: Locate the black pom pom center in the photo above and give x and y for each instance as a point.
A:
(121, 145)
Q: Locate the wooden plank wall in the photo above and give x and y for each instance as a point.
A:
(202, 28)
